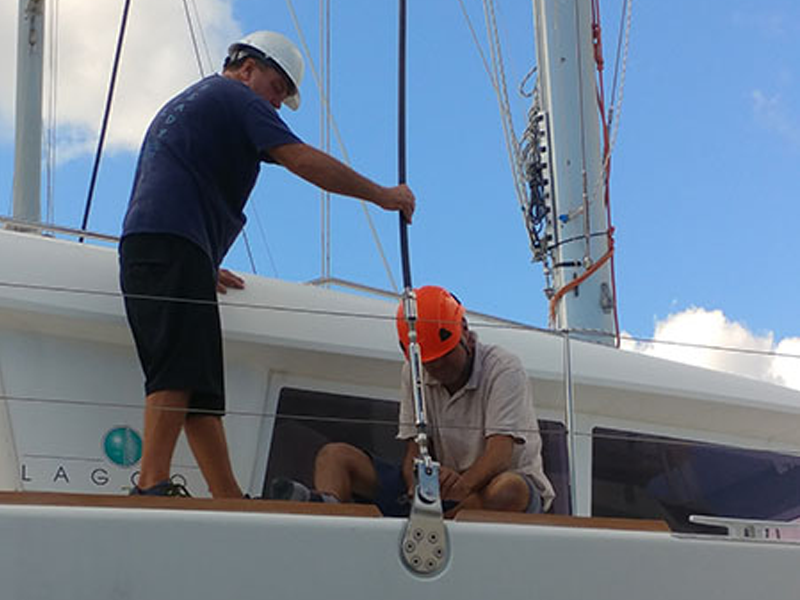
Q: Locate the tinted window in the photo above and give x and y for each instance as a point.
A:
(644, 476)
(307, 420)
(556, 464)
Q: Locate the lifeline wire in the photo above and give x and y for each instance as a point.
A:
(255, 414)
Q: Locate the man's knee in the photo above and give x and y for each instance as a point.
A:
(344, 470)
(507, 491)
(337, 454)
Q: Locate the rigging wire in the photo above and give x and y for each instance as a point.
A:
(501, 91)
(261, 230)
(51, 139)
(478, 46)
(249, 252)
(623, 41)
(194, 38)
(106, 115)
(340, 143)
(328, 91)
(325, 133)
(201, 31)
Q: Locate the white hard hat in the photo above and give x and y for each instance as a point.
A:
(280, 49)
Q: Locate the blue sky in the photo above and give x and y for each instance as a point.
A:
(704, 187)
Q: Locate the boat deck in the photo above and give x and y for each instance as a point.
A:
(312, 508)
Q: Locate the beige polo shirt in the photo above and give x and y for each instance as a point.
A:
(497, 399)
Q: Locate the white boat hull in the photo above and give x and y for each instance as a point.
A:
(76, 553)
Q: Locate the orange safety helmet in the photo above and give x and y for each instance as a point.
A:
(439, 322)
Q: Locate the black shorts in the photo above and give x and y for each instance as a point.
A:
(170, 293)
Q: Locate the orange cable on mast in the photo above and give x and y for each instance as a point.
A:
(561, 292)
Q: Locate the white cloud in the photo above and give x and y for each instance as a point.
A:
(786, 369)
(771, 113)
(157, 61)
(697, 336)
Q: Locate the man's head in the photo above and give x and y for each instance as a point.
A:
(445, 343)
(270, 64)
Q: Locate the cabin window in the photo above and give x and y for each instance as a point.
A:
(644, 476)
(306, 420)
(556, 462)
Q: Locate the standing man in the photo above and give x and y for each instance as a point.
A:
(199, 161)
(481, 421)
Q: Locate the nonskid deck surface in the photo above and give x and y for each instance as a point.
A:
(312, 508)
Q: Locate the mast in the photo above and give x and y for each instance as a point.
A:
(573, 182)
(28, 129)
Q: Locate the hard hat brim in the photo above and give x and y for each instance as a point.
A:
(293, 101)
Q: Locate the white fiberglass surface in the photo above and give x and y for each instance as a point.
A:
(116, 553)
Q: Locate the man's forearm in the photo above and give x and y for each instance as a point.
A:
(326, 172)
(495, 459)
(412, 451)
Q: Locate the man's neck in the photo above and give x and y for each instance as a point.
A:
(466, 374)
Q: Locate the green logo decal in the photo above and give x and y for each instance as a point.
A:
(123, 446)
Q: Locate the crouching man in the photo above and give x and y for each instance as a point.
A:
(481, 422)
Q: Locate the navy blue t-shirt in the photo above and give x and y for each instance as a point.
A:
(199, 162)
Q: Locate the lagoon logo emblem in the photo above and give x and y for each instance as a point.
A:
(123, 446)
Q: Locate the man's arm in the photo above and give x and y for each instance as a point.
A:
(326, 172)
(412, 451)
(495, 459)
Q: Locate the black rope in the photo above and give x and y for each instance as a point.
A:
(401, 140)
(106, 114)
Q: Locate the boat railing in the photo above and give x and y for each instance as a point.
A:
(50, 229)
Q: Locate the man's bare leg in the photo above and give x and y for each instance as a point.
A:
(506, 492)
(206, 435)
(164, 415)
(342, 470)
